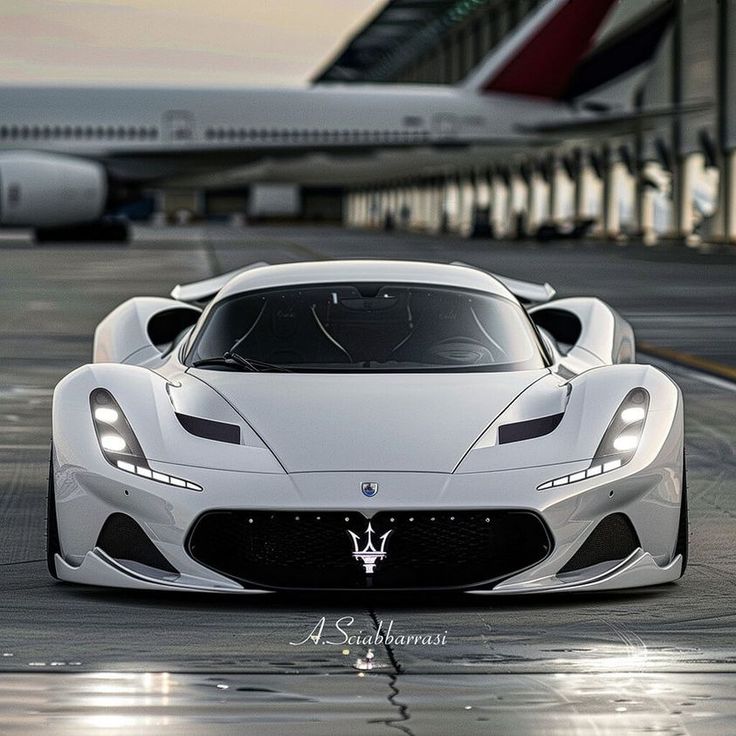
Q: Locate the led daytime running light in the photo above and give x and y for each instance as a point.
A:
(154, 475)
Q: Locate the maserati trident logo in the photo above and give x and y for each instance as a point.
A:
(369, 555)
(369, 489)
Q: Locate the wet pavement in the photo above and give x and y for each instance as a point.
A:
(76, 660)
(189, 705)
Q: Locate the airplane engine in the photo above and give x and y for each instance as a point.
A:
(49, 190)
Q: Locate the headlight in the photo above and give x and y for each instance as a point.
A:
(120, 446)
(619, 443)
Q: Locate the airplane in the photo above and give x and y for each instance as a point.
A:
(69, 155)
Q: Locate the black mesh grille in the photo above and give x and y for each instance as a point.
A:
(123, 539)
(302, 550)
(613, 539)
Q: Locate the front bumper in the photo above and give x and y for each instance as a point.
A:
(638, 570)
(647, 491)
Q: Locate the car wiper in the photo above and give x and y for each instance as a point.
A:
(254, 365)
(220, 361)
(239, 362)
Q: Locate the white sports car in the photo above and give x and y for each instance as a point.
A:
(352, 425)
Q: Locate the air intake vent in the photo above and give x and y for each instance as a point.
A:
(529, 429)
(123, 539)
(613, 539)
(210, 429)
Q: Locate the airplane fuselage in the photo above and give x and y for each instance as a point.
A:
(136, 132)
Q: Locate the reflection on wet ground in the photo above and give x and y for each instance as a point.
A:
(368, 703)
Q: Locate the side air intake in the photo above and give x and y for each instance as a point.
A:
(123, 539)
(613, 539)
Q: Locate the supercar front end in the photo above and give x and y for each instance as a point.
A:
(375, 425)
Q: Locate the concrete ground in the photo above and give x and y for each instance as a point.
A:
(77, 660)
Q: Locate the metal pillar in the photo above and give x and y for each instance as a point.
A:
(686, 170)
(538, 201)
(726, 216)
(519, 205)
(645, 191)
(611, 212)
(501, 201)
(561, 194)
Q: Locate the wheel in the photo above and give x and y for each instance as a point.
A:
(683, 530)
(52, 529)
(105, 231)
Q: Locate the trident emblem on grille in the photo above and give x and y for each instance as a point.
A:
(369, 555)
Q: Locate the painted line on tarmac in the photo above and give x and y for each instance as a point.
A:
(725, 373)
(675, 369)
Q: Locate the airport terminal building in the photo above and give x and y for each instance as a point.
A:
(669, 173)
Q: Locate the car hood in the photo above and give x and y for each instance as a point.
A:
(384, 421)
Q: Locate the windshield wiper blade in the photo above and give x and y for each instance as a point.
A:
(252, 364)
(239, 362)
(221, 361)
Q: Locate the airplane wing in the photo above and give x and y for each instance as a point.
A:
(615, 123)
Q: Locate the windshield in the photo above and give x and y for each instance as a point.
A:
(368, 327)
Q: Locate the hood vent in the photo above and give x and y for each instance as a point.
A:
(210, 429)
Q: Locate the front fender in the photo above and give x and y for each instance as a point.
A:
(143, 396)
(594, 398)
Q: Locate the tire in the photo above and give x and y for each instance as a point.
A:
(683, 530)
(52, 529)
(105, 231)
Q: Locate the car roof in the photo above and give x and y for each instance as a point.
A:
(348, 271)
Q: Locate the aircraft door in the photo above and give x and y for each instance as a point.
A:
(445, 125)
(178, 126)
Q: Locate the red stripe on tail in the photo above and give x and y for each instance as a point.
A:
(544, 64)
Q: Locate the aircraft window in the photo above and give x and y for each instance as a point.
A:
(132, 132)
(88, 132)
(24, 132)
(209, 133)
(35, 131)
(153, 132)
(3, 132)
(121, 132)
(263, 133)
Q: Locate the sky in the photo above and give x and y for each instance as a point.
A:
(177, 42)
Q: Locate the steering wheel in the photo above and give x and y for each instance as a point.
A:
(460, 350)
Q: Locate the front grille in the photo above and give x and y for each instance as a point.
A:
(425, 549)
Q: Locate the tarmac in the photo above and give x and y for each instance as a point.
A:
(78, 660)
